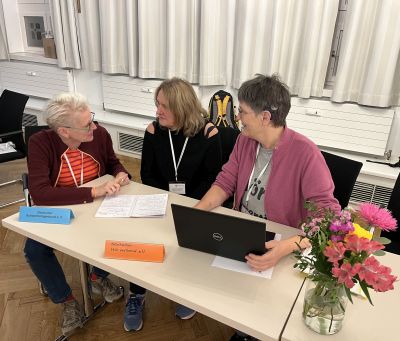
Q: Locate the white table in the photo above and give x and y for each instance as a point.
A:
(254, 305)
(362, 321)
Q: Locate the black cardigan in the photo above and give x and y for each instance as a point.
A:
(201, 161)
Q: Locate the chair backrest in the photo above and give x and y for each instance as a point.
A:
(394, 201)
(29, 131)
(344, 174)
(228, 138)
(12, 105)
(394, 207)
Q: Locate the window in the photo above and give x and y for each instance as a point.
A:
(35, 24)
(34, 28)
(27, 22)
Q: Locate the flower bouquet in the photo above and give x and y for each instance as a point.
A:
(342, 255)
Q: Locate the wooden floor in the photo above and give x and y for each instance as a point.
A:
(27, 315)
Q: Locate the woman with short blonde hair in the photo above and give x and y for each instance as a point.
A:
(74, 151)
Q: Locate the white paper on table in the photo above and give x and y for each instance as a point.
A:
(150, 205)
(124, 206)
(235, 265)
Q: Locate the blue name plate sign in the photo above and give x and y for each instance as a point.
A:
(47, 215)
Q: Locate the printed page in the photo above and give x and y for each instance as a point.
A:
(114, 206)
(149, 205)
(124, 206)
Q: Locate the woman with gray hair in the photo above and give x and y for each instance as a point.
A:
(72, 152)
(272, 170)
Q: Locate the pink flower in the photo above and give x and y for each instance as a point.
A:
(376, 275)
(367, 270)
(385, 280)
(357, 244)
(334, 252)
(378, 217)
(345, 274)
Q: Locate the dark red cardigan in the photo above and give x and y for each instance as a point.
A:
(44, 162)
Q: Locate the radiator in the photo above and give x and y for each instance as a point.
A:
(33, 79)
(129, 95)
(347, 127)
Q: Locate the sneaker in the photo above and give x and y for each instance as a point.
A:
(133, 320)
(241, 337)
(104, 286)
(184, 313)
(72, 316)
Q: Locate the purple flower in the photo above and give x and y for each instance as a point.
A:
(337, 238)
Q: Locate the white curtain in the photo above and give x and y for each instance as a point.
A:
(118, 22)
(215, 24)
(3, 37)
(155, 38)
(369, 64)
(289, 37)
(169, 39)
(89, 36)
(65, 33)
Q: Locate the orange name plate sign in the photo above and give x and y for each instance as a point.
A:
(134, 251)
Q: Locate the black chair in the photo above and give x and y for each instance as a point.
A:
(12, 105)
(394, 207)
(29, 131)
(344, 174)
(228, 138)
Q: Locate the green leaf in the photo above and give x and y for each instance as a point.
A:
(382, 240)
(379, 253)
(348, 293)
(364, 288)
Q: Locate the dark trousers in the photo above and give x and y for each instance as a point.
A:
(47, 269)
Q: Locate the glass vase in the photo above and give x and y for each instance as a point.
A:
(324, 307)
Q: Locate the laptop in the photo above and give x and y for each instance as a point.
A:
(219, 234)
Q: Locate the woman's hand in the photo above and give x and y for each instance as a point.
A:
(276, 250)
(122, 178)
(109, 187)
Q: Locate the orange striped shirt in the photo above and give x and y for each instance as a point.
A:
(78, 161)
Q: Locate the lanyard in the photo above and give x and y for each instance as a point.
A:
(173, 154)
(72, 172)
(251, 183)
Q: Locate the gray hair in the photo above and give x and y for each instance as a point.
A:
(61, 108)
(264, 93)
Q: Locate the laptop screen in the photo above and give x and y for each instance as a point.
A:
(219, 234)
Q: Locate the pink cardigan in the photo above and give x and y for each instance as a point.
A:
(298, 173)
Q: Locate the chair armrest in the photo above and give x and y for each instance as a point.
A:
(27, 197)
(10, 133)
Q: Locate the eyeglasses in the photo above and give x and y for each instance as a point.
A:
(85, 128)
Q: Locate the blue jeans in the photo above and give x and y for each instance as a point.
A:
(47, 269)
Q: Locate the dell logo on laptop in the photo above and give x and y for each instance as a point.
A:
(217, 236)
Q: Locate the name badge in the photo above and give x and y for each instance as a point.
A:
(46, 215)
(177, 187)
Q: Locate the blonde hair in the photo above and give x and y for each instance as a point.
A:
(61, 108)
(184, 104)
